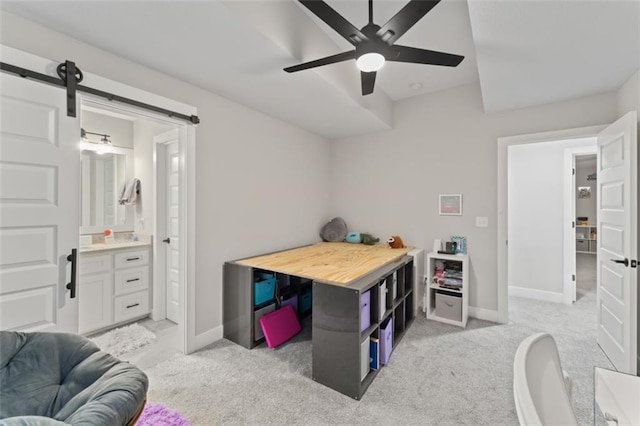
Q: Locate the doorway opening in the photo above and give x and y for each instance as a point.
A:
(120, 195)
(586, 222)
(541, 209)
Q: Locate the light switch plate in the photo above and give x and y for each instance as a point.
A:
(482, 222)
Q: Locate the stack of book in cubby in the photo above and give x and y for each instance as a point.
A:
(448, 274)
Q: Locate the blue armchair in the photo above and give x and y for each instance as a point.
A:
(59, 378)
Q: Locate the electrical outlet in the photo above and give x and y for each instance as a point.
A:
(482, 222)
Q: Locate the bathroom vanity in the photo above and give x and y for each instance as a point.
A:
(114, 285)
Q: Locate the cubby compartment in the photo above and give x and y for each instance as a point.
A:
(386, 340)
(408, 278)
(399, 277)
(368, 311)
(264, 287)
(257, 314)
(408, 309)
(586, 238)
(383, 307)
(296, 292)
(398, 323)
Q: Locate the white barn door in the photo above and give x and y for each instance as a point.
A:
(39, 206)
(617, 276)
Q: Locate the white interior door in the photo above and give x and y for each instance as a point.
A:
(39, 206)
(172, 222)
(617, 166)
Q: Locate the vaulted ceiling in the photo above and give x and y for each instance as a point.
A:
(522, 53)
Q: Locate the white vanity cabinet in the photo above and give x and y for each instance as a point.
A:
(114, 287)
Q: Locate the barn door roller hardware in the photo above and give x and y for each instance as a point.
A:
(70, 76)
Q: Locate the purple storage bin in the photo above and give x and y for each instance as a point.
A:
(365, 310)
(291, 301)
(386, 340)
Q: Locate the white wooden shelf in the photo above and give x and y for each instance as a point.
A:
(585, 243)
(431, 303)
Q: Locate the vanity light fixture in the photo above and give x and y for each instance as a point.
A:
(101, 147)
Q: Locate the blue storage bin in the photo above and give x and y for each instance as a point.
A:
(305, 301)
(264, 290)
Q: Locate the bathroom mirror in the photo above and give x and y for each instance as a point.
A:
(102, 177)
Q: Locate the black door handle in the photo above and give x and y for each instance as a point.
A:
(625, 262)
(73, 258)
(167, 240)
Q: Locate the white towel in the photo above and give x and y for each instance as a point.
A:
(129, 192)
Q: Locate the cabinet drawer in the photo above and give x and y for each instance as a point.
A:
(90, 264)
(131, 280)
(131, 258)
(131, 306)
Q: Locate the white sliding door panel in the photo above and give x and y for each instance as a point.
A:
(39, 206)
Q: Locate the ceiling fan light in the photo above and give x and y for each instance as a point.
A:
(370, 62)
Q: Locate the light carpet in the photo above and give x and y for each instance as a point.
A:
(123, 340)
(438, 375)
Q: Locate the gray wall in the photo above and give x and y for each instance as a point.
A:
(261, 184)
(388, 182)
(143, 133)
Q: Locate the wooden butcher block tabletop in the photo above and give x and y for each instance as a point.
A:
(339, 263)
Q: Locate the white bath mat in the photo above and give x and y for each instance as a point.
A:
(125, 339)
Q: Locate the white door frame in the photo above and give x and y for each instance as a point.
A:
(503, 144)
(186, 143)
(187, 163)
(569, 252)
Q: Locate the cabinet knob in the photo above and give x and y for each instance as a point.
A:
(167, 240)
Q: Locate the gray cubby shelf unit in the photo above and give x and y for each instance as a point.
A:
(338, 335)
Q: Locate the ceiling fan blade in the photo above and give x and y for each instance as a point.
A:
(368, 81)
(414, 55)
(334, 20)
(411, 13)
(344, 56)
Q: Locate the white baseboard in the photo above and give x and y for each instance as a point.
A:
(483, 314)
(208, 337)
(530, 293)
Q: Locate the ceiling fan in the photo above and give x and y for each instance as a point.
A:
(374, 44)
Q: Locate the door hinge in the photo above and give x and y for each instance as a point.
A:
(573, 277)
(573, 171)
(573, 224)
(634, 263)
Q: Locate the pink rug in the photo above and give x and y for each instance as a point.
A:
(159, 415)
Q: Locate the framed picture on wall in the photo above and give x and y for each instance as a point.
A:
(584, 192)
(450, 205)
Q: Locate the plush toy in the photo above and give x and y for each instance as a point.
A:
(395, 242)
(354, 237)
(334, 231)
(369, 239)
